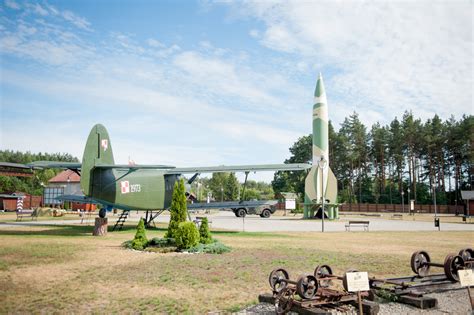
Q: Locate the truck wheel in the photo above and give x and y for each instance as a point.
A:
(236, 213)
(241, 213)
(265, 213)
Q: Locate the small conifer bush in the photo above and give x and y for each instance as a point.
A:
(214, 247)
(204, 233)
(178, 208)
(140, 241)
(187, 235)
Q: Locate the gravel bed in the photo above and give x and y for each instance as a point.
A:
(449, 302)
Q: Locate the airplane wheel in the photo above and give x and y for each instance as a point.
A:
(102, 213)
(241, 213)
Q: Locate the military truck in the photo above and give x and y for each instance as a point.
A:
(264, 210)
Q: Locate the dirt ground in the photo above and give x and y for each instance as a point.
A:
(65, 269)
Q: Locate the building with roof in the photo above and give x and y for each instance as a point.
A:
(65, 183)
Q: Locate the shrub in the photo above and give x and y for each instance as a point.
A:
(214, 247)
(178, 209)
(140, 241)
(187, 235)
(127, 244)
(162, 242)
(204, 233)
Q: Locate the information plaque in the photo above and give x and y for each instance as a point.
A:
(466, 277)
(357, 281)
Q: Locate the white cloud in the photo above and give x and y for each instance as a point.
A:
(45, 43)
(386, 57)
(12, 4)
(254, 33)
(78, 21)
(40, 10)
(155, 43)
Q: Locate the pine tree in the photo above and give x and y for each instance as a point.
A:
(178, 209)
(204, 233)
(140, 241)
(231, 187)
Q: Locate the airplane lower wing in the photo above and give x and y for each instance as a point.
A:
(77, 198)
(230, 204)
(240, 168)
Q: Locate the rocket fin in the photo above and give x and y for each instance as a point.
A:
(313, 186)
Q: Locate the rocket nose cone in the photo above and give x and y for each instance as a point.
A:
(319, 91)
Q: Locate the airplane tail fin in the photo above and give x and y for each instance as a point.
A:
(98, 150)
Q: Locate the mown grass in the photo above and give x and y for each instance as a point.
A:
(54, 272)
(34, 253)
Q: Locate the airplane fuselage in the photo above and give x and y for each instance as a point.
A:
(137, 189)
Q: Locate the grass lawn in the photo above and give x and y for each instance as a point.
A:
(65, 269)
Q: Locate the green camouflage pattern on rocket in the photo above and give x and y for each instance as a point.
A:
(320, 149)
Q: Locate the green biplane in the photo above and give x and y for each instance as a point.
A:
(136, 187)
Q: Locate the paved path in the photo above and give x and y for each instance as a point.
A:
(227, 220)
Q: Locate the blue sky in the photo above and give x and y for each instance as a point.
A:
(224, 82)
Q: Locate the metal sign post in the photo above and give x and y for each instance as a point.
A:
(466, 278)
(357, 282)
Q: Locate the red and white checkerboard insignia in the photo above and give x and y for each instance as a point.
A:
(104, 143)
(125, 187)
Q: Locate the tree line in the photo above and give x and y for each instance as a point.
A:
(226, 187)
(405, 159)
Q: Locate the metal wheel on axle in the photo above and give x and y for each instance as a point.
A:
(322, 271)
(420, 263)
(307, 286)
(467, 255)
(278, 280)
(452, 264)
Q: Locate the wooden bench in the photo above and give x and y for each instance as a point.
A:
(397, 216)
(26, 213)
(198, 221)
(364, 224)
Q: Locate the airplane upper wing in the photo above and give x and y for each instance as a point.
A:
(127, 166)
(170, 170)
(53, 164)
(240, 168)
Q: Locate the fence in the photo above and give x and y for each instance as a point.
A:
(367, 207)
(28, 203)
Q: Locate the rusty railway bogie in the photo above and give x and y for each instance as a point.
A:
(306, 286)
(421, 263)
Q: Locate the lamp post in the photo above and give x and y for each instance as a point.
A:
(408, 201)
(322, 165)
(403, 202)
(436, 210)
(434, 200)
(199, 191)
(222, 194)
